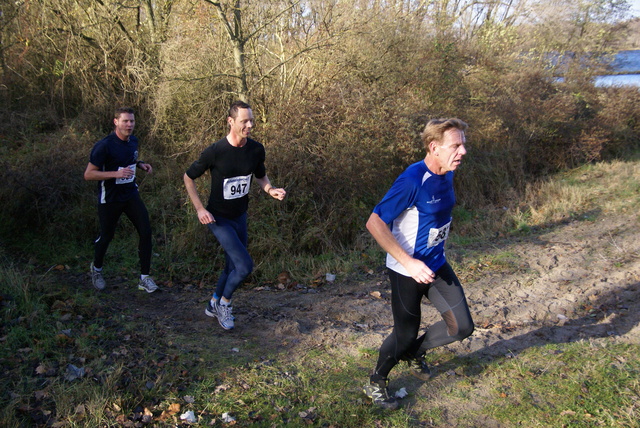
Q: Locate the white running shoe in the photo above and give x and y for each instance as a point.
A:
(97, 279)
(225, 318)
(148, 285)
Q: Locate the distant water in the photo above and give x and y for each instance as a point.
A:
(625, 70)
(627, 62)
(618, 80)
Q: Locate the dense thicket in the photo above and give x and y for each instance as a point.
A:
(340, 90)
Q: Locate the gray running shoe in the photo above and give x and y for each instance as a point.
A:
(148, 285)
(224, 316)
(212, 310)
(419, 368)
(96, 278)
(379, 394)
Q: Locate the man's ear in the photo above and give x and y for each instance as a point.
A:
(432, 146)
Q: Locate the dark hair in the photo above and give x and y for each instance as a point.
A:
(235, 106)
(435, 129)
(121, 110)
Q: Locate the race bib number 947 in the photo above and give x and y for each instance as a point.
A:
(439, 235)
(236, 187)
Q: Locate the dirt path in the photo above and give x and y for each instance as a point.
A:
(579, 280)
(576, 280)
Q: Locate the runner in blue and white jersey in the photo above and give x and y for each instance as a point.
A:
(412, 224)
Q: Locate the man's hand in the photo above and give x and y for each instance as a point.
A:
(419, 271)
(125, 173)
(205, 216)
(277, 193)
(145, 167)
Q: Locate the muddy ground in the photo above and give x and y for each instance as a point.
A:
(578, 280)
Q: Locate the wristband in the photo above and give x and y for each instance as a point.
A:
(139, 162)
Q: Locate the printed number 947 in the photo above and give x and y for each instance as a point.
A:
(239, 189)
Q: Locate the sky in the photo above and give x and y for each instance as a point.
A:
(635, 7)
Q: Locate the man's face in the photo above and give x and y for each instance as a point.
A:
(449, 154)
(242, 124)
(124, 125)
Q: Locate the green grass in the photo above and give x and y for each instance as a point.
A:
(578, 384)
(132, 371)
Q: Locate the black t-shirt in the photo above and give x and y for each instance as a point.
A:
(112, 154)
(231, 171)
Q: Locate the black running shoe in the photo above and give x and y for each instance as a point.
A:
(419, 368)
(212, 310)
(379, 394)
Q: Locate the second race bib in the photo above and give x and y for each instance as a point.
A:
(127, 180)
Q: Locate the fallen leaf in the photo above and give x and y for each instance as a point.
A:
(401, 393)
(189, 416)
(174, 408)
(220, 388)
(227, 418)
(376, 294)
(74, 373)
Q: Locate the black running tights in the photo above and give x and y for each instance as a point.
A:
(135, 210)
(446, 294)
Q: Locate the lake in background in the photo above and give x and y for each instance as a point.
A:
(626, 67)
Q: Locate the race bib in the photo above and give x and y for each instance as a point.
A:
(236, 187)
(439, 235)
(127, 180)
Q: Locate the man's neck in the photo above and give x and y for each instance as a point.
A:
(433, 165)
(123, 138)
(235, 141)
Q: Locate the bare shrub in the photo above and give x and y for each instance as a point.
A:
(44, 185)
(619, 119)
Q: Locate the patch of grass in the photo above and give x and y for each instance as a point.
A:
(133, 373)
(579, 194)
(475, 264)
(578, 384)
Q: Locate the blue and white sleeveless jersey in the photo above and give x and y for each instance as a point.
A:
(418, 209)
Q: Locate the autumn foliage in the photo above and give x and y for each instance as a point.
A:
(340, 91)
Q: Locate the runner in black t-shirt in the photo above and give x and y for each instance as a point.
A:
(232, 162)
(113, 164)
